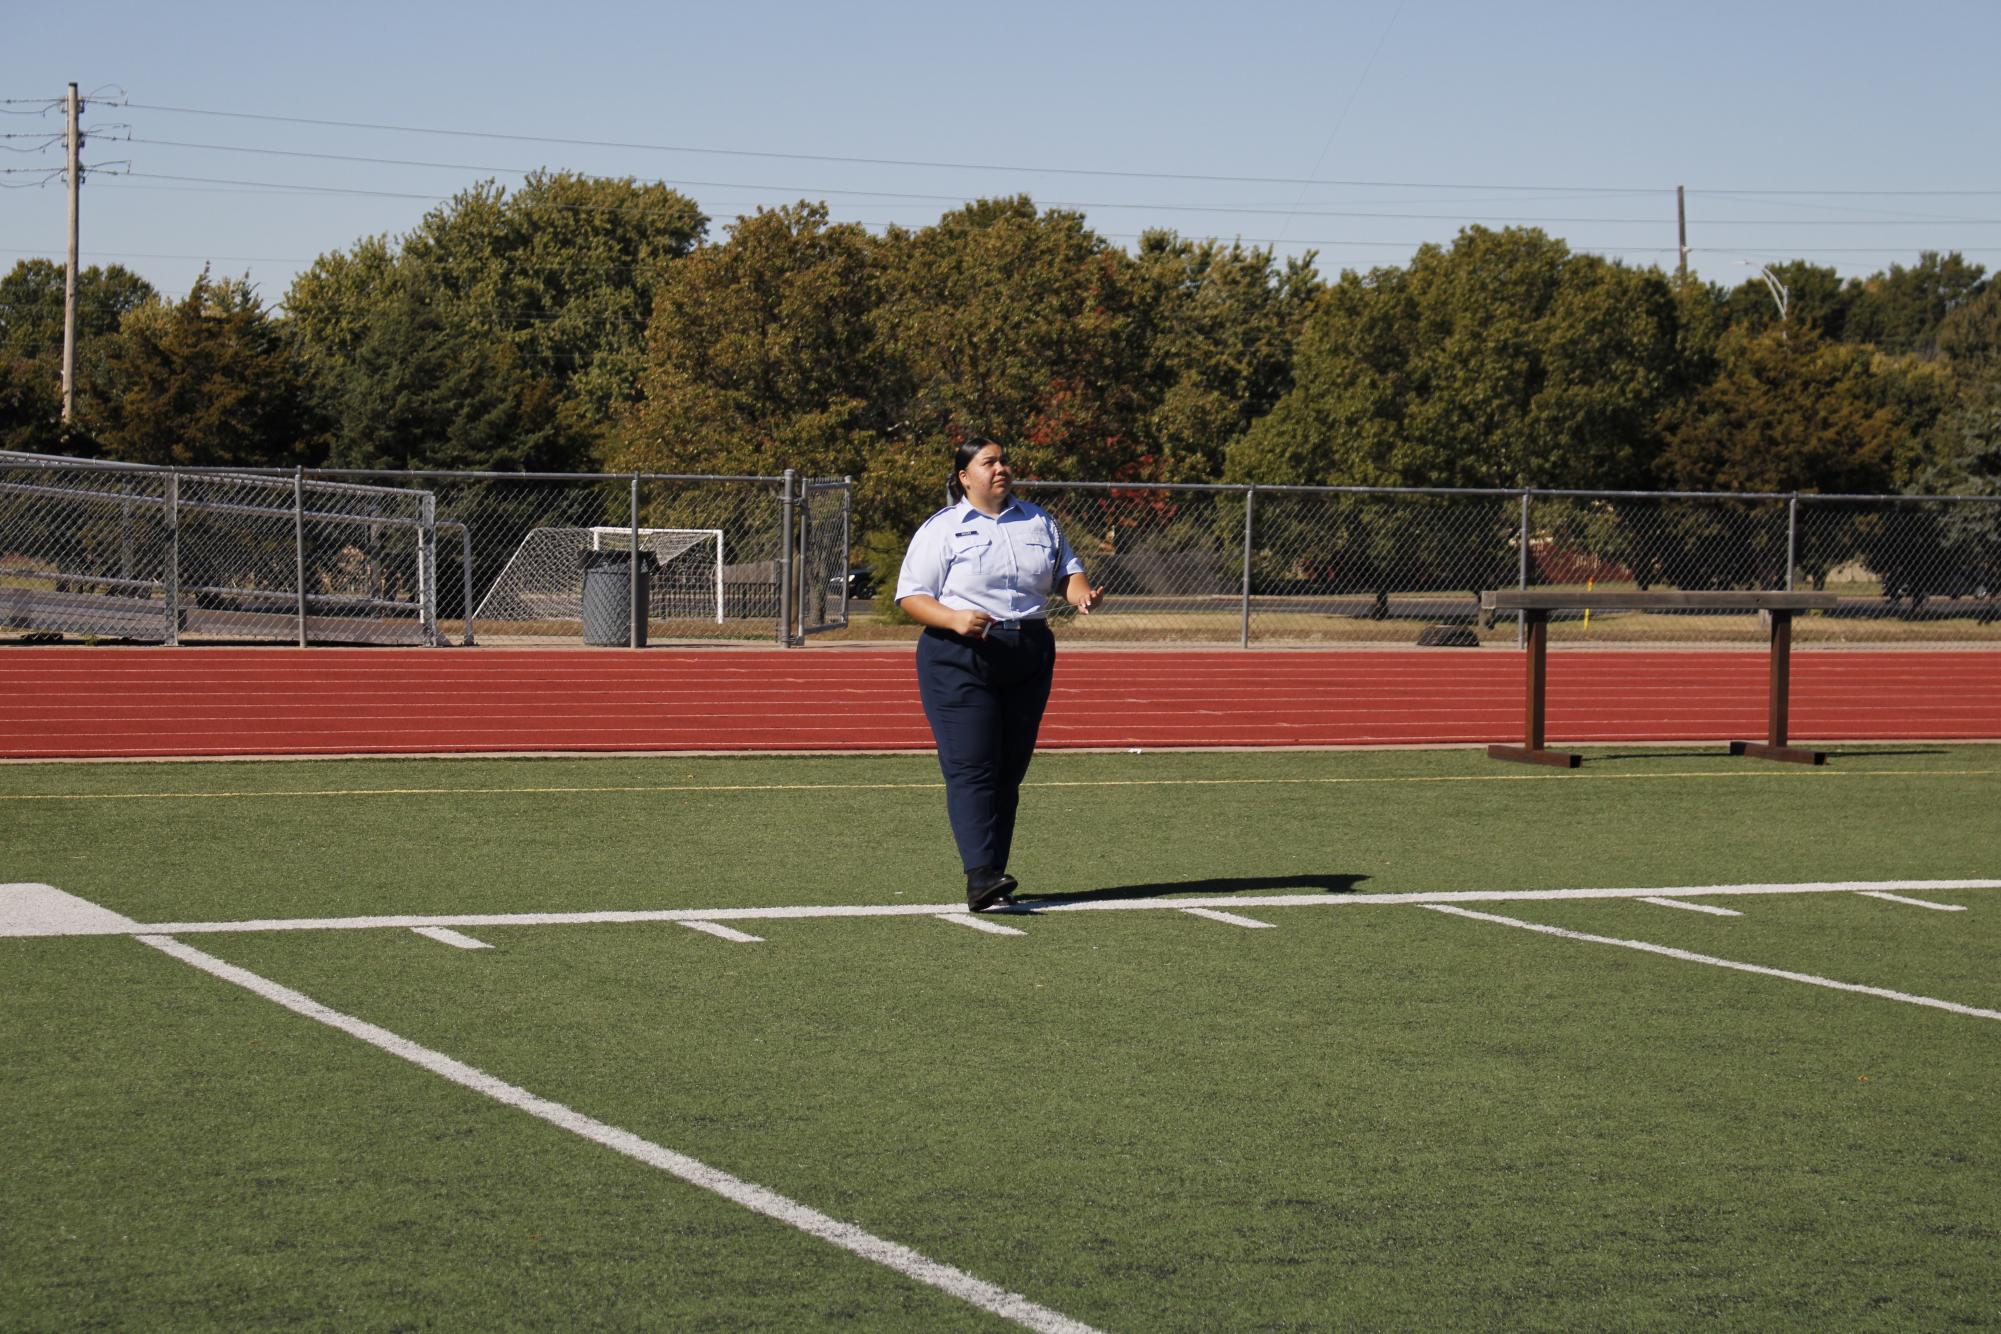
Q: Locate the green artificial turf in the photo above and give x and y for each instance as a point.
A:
(446, 836)
(1378, 1117)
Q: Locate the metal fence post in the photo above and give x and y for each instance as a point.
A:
(1250, 503)
(633, 631)
(1792, 537)
(847, 538)
(171, 575)
(299, 544)
(427, 570)
(785, 503)
(1522, 576)
(465, 575)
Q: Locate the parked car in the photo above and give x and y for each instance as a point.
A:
(861, 583)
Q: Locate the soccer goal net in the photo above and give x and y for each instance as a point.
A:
(544, 579)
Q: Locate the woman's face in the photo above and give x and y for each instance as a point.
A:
(986, 479)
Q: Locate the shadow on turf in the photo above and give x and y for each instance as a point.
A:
(1332, 884)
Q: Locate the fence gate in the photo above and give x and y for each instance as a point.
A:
(823, 554)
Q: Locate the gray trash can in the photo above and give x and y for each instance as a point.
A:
(608, 595)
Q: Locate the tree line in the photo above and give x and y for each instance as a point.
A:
(579, 324)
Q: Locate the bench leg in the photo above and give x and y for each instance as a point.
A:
(1531, 751)
(1774, 747)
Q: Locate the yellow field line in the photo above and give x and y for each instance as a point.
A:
(1053, 783)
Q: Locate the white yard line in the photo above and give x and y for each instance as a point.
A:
(1712, 961)
(720, 931)
(1226, 902)
(1915, 903)
(450, 937)
(1229, 917)
(1659, 902)
(979, 924)
(947, 1279)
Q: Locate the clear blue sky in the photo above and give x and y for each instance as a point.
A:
(1824, 121)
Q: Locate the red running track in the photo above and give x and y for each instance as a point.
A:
(58, 702)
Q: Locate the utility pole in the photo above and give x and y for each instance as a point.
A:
(1681, 223)
(69, 280)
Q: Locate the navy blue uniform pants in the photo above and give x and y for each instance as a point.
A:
(984, 699)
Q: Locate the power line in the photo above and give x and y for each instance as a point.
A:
(1245, 210)
(873, 161)
(280, 187)
(524, 171)
(1786, 198)
(1346, 107)
(1020, 169)
(1856, 194)
(824, 191)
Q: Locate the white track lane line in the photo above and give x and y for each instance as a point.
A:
(450, 937)
(1692, 907)
(1230, 917)
(1915, 903)
(979, 924)
(1714, 962)
(947, 1279)
(722, 932)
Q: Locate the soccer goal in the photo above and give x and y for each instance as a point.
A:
(544, 580)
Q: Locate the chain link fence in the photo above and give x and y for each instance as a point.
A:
(120, 552)
(1329, 565)
(717, 571)
(108, 551)
(96, 550)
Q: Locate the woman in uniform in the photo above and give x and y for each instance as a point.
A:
(978, 576)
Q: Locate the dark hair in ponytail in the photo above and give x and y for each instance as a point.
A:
(962, 459)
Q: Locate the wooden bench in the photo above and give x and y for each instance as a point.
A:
(1535, 605)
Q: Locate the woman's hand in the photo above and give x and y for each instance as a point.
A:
(1078, 592)
(927, 610)
(971, 624)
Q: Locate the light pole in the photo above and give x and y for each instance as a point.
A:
(1780, 296)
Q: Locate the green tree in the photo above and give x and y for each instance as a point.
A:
(424, 393)
(1502, 361)
(759, 354)
(565, 268)
(1970, 336)
(1969, 461)
(1790, 411)
(1901, 310)
(32, 298)
(1815, 298)
(1222, 322)
(1964, 553)
(1007, 321)
(30, 407)
(562, 271)
(31, 345)
(205, 382)
(1701, 315)
(332, 305)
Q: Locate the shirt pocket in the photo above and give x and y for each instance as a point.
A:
(1038, 561)
(973, 553)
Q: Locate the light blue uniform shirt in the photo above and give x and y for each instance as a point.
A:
(1005, 566)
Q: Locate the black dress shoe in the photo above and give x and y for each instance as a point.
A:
(987, 888)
